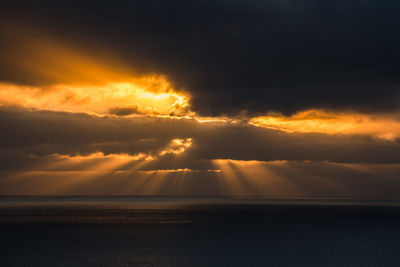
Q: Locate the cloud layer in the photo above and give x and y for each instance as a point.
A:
(46, 132)
(47, 152)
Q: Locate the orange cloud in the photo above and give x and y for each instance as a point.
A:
(177, 147)
(149, 95)
(329, 122)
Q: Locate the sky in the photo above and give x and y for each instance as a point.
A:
(277, 98)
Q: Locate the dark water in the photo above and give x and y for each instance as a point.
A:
(198, 232)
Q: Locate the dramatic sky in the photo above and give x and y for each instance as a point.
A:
(277, 98)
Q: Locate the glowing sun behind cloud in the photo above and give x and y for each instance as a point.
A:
(149, 95)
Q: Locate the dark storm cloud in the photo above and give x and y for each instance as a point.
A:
(29, 134)
(239, 55)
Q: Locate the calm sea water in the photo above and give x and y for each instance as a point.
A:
(166, 231)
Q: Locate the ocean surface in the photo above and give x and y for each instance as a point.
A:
(198, 231)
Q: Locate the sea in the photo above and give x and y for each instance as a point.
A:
(198, 231)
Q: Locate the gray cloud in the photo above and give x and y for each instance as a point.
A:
(124, 111)
(35, 147)
(44, 133)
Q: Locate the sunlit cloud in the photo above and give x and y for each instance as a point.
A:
(329, 122)
(149, 95)
(177, 146)
(54, 74)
